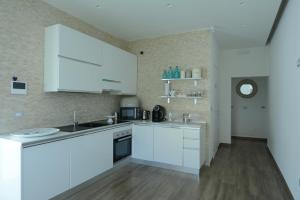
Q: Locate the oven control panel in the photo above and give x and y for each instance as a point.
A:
(122, 133)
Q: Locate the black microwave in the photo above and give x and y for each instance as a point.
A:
(130, 113)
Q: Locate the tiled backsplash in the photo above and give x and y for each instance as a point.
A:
(22, 24)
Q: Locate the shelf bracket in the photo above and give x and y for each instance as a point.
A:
(195, 101)
(195, 83)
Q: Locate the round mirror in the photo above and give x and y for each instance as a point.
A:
(246, 88)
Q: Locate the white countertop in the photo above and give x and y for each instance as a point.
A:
(172, 124)
(61, 135)
(27, 142)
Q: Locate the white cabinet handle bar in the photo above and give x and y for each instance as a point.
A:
(110, 80)
(78, 60)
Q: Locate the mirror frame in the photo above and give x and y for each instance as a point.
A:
(246, 81)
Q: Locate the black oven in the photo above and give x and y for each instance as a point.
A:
(130, 113)
(122, 144)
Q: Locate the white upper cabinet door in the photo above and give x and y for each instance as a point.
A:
(119, 70)
(142, 142)
(90, 155)
(79, 46)
(111, 73)
(168, 145)
(45, 170)
(79, 77)
(128, 70)
(73, 61)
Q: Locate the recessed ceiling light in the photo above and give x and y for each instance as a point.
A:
(169, 5)
(98, 4)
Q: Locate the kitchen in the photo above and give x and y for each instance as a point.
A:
(80, 105)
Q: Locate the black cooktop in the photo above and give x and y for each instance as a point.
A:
(86, 126)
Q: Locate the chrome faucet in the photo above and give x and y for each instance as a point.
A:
(75, 122)
(116, 117)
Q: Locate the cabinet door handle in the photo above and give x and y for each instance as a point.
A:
(78, 60)
(110, 80)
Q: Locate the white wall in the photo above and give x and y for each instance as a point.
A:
(213, 95)
(251, 62)
(284, 97)
(249, 116)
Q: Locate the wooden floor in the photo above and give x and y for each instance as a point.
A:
(241, 171)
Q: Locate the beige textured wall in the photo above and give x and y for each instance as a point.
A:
(22, 24)
(188, 50)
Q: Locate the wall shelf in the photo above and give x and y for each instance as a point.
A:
(181, 97)
(168, 80)
(181, 79)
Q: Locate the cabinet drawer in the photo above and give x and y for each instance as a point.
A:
(191, 143)
(191, 134)
(191, 158)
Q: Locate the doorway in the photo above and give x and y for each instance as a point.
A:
(249, 109)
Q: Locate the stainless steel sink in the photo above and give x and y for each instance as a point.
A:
(86, 126)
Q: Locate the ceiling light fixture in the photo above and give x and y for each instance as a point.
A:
(169, 5)
(98, 5)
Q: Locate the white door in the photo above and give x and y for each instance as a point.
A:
(79, 77)
(45, 170)
(168, 145)
(90, 155)
(142, 142)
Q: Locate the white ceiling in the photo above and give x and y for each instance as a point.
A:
(238, 23)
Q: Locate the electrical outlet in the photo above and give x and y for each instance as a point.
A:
(19, 114)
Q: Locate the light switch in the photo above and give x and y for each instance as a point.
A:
(19, 114)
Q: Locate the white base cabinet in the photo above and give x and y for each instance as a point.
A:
(142, 142)
(168, 145)
(182, 147)
(45, 170)
(90, 155)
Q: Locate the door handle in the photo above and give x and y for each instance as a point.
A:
(110, 80)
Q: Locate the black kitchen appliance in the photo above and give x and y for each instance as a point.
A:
(158, 114)
(122, 144)
(130, 113)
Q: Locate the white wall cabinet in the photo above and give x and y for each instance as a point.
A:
(76, 45)
(73, 61)
(168, 145)
(45, 170)
(128, 70)
(119, 70)
(76, 62)
(142, 142)
(90, 155)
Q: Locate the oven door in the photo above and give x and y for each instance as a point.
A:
(122, 147)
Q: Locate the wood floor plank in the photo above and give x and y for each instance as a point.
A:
(241, 171)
